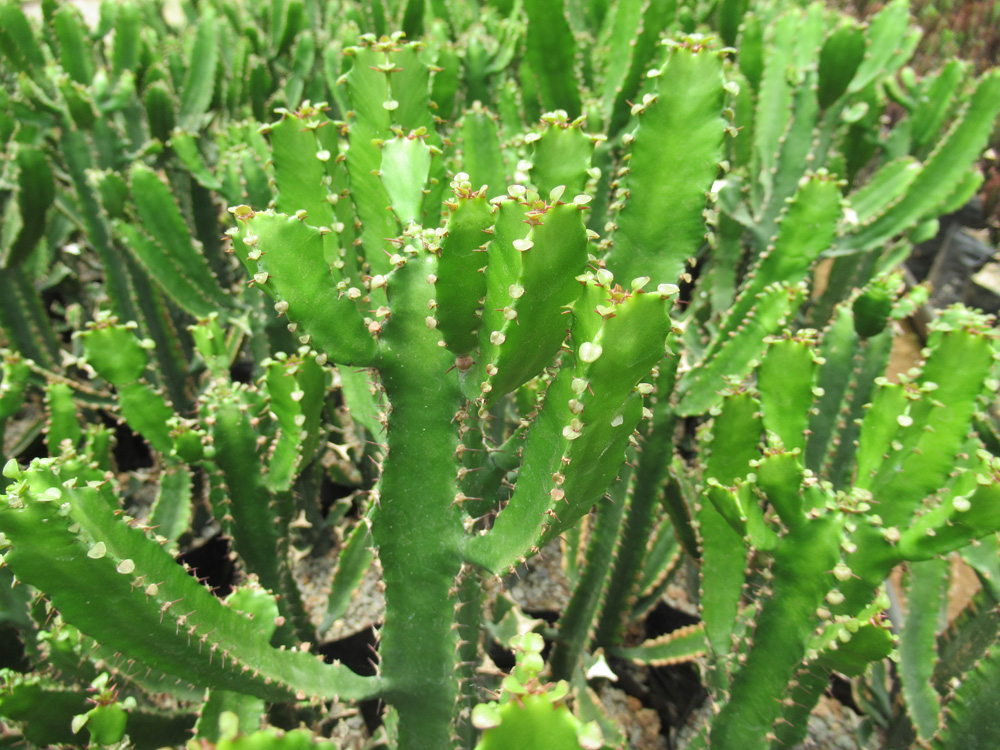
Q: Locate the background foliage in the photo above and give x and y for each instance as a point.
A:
(355, 303)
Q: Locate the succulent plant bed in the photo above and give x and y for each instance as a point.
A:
(423, 374)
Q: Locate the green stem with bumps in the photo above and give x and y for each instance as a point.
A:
(417, 528)
(122, 588)
(800, 583)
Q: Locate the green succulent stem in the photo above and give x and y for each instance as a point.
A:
(417, 527)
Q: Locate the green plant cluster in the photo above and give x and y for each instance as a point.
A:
(969, 29)
(505, 276)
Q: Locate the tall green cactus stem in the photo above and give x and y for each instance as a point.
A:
(673, 160)
(79, 160)
(374, 101)
(255, 517)
(631, 41)
(14, 372)
(23, 318)
(786, 405)
(636, 565)
(304, 153)
(800, 584)
(296, 387)
(469, 622)
(35, 194)
(460, 284)
(417, 525)
(481, 155)
(550, 61)
(63, 421)
(575, 621)
(18, 43)
(926, 583)
(199, 81)
(732, 441)
(536, 251)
